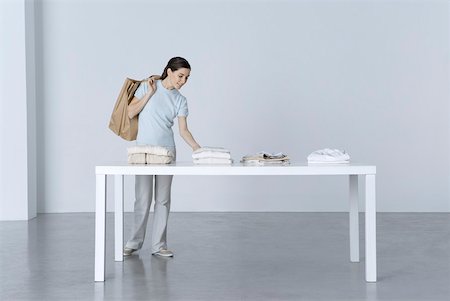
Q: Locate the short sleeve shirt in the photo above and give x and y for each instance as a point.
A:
(156, 118)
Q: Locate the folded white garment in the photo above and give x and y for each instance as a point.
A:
(328, 162)
(268, 155)
(149, 149)
(211, 149)
(265, 156)
(148, 159)
(211, 154)
(328, 155)
(213, 161)
(266, 162)
(155, 159)
(136, 158)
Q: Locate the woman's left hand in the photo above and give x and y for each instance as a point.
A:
(151, 85)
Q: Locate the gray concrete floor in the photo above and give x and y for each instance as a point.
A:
(229, 256)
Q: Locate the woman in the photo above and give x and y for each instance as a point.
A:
(155, 128)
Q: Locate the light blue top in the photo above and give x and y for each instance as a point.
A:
(156, 119)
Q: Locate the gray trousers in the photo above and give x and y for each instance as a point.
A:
(144, 193)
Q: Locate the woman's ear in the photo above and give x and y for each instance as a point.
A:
(169, 71)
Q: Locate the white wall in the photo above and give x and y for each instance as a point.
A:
(17, 111)
(370, 77)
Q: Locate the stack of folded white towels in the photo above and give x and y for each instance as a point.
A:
(212, 155)
(149, 154)
(329, 156)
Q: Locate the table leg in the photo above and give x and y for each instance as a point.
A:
(354, 218)
(118, 217)
(100, 227)
(371, 230)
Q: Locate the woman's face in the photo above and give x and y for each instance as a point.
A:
(178, 77)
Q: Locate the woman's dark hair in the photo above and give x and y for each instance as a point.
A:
(174, 64)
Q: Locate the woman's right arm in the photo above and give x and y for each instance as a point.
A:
(137, 104)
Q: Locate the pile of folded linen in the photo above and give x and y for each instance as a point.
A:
(329, 156)
(149, 154)
(212, 155)
(265, 158)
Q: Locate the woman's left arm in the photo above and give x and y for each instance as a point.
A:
(185, 134)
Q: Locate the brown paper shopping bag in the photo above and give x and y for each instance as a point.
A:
(120, 123)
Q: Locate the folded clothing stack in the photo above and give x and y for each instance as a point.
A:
(329, 156)
(265, 158)
(212, 155)
(149, 154)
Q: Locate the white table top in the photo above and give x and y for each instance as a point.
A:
(189, 168)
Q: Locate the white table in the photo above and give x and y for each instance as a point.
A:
(188, 168)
